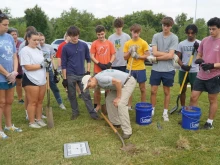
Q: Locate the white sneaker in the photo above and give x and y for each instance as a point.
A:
(165, 117)
(34, 125)
(176, 58)
(62, 106)
(41, 123)
(43, 117)
(27, 118)
(13, 128)
(152, 113)
(3, 135)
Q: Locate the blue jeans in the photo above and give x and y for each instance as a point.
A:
(53, 87)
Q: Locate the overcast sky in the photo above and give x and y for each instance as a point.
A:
(101, 8)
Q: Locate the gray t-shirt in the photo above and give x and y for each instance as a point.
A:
(104, 78)
(164, 44)
(186, 47)
(48, 51)
(118, 42)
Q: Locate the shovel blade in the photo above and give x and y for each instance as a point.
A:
(49, 114)
(177, 105)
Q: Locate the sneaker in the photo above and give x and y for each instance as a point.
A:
(62, 106)
(96, 117)
(125, 136)
(43, 117)
(74, 117)
(21, 101)
(176, 58)
(165, 117)
(13, 128)
(34, 125)
(3, 135)
(208, 126)
(152, 113)
(130, 108)
(27, 117)
(41, 123)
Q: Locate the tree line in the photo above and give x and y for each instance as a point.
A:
(56, 27)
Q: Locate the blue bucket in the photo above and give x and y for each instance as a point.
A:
(191, 117)
(143, 113)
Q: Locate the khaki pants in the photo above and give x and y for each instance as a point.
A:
(120, 115)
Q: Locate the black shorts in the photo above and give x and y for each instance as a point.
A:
(26, 82)
(19, 76)
(212, 86)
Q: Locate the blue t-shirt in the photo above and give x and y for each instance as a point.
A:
(73, 58)
(7, 51)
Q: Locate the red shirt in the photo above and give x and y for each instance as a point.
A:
(59, 50)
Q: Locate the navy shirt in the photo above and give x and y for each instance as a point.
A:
(73, 58)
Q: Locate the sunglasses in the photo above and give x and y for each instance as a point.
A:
(3, 15)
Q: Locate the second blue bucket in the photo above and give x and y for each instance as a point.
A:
(143, 113)
(191, 117)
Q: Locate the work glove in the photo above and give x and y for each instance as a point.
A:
(87, 73)
(196, 46)
(208, 66)
(186, 67)
(56, 72)
(135, 55)
(102, 66)
(176, 58)
(108, 66)
(152, 59)
(11, 77)
(132, 49)
(65, 83)
(56, 79)
(199, 61)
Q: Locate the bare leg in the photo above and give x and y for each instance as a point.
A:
(41, 95)
(2, 106)
(183, 95)
(194, 98)
(143, 91)
(166, 96)
(153, 95)
(213, 100)
(19, 88)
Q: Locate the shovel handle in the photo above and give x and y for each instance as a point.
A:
(189, 64)
(109, 123)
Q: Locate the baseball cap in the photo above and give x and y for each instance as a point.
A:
(85, 80)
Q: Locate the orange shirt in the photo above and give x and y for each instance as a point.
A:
(103, 52)
(59, 50)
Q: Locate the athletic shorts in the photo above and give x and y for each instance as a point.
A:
(19, 76)
(27, 82)
(189, 79)
(167, 78)
(212, 86)
(139, 75)
(121, 68)
(6, 86)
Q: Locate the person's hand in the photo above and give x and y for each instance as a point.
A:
(208, 66)
(97, 108)
(102, 66)
(87, 73)
(55, 72)
(44, 64)
(108, 66)
(11, 77)
(65, 83)
(152, 59)
(59, 69)
(199, 61)
(196, 46)
(135, 55)
(186, 67)
(116, 101)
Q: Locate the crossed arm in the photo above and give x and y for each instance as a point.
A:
(163, 56)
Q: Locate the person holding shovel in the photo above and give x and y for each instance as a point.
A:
(184, 52)
(208, 77)
(121, 86)
(49, 52)
(74, 55)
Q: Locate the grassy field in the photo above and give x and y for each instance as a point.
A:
(171, 146)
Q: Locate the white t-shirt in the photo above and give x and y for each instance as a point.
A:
(30, 56)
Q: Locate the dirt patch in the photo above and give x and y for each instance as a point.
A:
(182, 143)
(130, 149)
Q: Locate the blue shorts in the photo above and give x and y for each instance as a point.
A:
(167, 78)
(6, 86)
(139, 75)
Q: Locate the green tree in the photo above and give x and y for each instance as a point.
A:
(202, 28)
(37, 18)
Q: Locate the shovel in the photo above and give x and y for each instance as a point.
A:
(129, 147)
(49, 112)
(195, 47)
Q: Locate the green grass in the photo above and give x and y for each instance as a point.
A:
(154, 146)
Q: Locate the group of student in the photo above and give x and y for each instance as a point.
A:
(118, 66)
